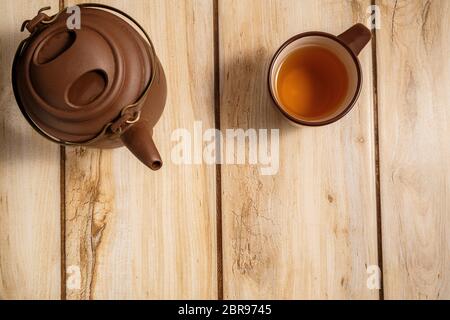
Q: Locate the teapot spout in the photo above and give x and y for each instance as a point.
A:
(138, 139)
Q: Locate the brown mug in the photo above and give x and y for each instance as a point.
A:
(101, 85)
(345, 49)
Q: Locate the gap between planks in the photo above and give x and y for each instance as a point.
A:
(62, 170)
(218, 166)
(377, 155)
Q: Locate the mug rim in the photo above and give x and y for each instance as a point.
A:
(350, 105)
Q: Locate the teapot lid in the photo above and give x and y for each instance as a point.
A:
(72, 84)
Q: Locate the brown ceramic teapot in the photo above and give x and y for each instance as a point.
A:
(101, 85)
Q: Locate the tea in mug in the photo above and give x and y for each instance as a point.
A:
(312, 83)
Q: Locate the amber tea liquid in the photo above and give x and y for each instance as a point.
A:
(312, 83)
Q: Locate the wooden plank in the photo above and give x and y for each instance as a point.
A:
(311, 230)
(29, 182)
(137, 234)
(414, 123)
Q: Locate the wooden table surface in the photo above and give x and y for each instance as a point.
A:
(372, 190)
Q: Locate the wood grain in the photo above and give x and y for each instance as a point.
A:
(310, 231)
(29, 182)
(137, 234)
(413, 78)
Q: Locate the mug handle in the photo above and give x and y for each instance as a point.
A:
(356, 38)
